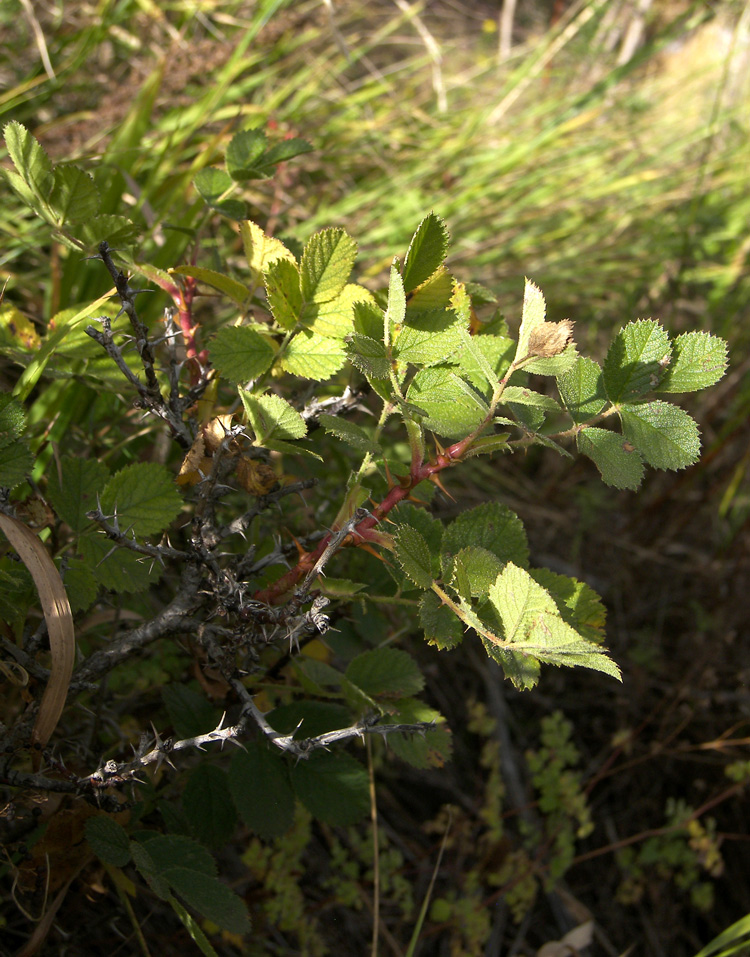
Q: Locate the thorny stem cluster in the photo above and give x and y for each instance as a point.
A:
(213, 601)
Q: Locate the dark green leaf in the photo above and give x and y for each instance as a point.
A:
(73, 491)
(665, 435)
(143, 497)
(427, 250)
(259, 785)
(191, 713)
(636, 360)
(206, 894)
(386, 673)
(491, 526)
(333, 787)
(617, 459)
(413, 556)
(208, 805)
(108, 840)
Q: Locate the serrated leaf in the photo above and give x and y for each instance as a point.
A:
(618, 461)
(240, 354)
(413, 555)
(261, 250)
(534, 311)
(427, 250)
(119, 230)
(282, 282)
(286, 150)
(369, 320)
(430, 749)
(519, 396)
(333, 787)
(80, 585)
(206, 894)
(698, 361)
(16, 462)
(429, 338)
(147, 868)
(144, 498)
(29, 158)
(74, 197)
(576, 601)
(189, 711)
(326, 264)
(177, 850)
(635, 361)
(208, 806)
(243, 152)
(396, 310)
(452, 408)
(335, 319)
(533, 625)
(582, 390)
(272, 417)
(213, 184)
(108, 840)
(488, 444)
(236, 291)
(555, 365)
(665, 435)
(441, 626)
(117, 569)
(348, 432)
(435, 293)
(73, 492)
(479, 567)
(260, 788)
(312, 356)
(368, 355)
(490, 526)
(386, 673)
(496, 353)
(307, 719)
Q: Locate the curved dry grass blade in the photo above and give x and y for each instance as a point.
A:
(59, 618)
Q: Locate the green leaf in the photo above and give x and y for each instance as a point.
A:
(531, 622)
(73, 492)
(108, 840)
(368, 355)
(441, 626)
(326, 264)
(236, 291)
(286, 150)
(413, 555)
(272, 417)
(308, 719)
(484, 359)
(259, 785)
(576, 601)
(348, 432)
(534, 311)
(176, 850)
(283, 290)
(74, 197)
(665, 435)
(208, 805)
(240, 354)
(430, 749)
(29, 158)
(148, 869)
(117, 569)
(335, 318)
(429, 338)
(312, 356)
(618, 461)
(452, 407)
(80, 585)
(243, 152)
(144, 498)
(396, 311)
(427, 250)
(386, 673)
(528, 397)
(636, 359)
(191, 713)
(490, 526)
(488, 444)
(213, 184)
(698, 361)
(582, 390)
(193, 928)
(16, 462)
(12, 419)
(206, 894)
(119, 230)
(261, 251)
(333, 787)
(479, 568)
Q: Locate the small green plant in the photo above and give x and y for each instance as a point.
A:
(176, 511)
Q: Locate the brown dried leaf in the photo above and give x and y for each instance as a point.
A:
(59, 618)
(549, 339)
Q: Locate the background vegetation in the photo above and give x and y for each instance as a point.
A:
(616, 176)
